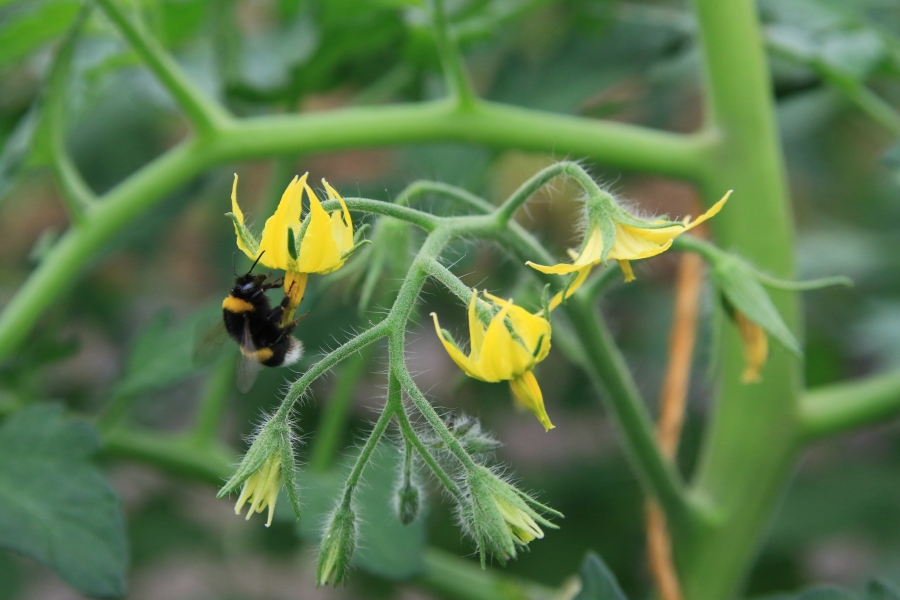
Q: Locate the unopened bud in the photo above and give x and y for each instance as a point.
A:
(408, 502)
(337, 547)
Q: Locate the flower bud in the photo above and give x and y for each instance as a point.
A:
(500, 517)
(408, 502)
(337, 546)
(267, 465)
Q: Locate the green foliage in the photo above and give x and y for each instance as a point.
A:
(56, 505)
(39, 23)
(597, 581)
(163, 354)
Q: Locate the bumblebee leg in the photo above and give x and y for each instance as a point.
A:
(276, 313)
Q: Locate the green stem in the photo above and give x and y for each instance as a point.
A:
(599, 283)
(177, 454)
(206, 115)
(459, 579)
(219, 384)
(521, 195)
(422, 188)
(330, 430)
(409, 434)
(65, 261)
(327, 362)
(363, 459)
(458, 83)
(841, 407)
(377, 207)
(610, 373)
(495, 125)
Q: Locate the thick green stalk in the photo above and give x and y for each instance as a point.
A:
(455, 76)
(837, 408)
(82, 243)
(488, 123)
(753, 435)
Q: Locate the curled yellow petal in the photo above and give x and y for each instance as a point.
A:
(461, 360)
(285, 221)
(319, 250)
(756, 347)
(713, 211)
(528, 394)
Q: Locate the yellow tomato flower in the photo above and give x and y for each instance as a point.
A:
(319, 244)
(633, 239)
(261, 488)
(506, 350)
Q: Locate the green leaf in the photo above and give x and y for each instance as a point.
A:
(739, 283)
(386, 547)
(26, 32)
(17, 148)
(819, 593)
(597, 581)
(162, 355)
(56, 505)
(881, 590)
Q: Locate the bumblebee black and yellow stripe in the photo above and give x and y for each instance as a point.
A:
(236, 305)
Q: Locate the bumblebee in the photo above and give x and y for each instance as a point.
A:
(252, 322)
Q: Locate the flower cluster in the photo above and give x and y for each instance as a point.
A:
(319, 243)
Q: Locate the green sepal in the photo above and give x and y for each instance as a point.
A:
(450, 339)
(289, 473)
(738, 283)
(803, 286)
(356, 247)
(268, 440)
(608, 231)
(338, 545)
(545, 300)
(537, 347)
(292, 244)
(247, 238)
(358, 235)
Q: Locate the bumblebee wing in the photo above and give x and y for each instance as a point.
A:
(210, 340)
(247, 368)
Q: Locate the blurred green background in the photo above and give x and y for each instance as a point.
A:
(626, 61)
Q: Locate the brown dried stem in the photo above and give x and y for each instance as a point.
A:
(673, 399)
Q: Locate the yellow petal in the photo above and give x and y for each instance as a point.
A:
(713, 211)
(560, 269)
(633, 243)
(274, 242)
(627, 270)
(455, 353)
(593, 249)
(531, 329)
(573, 287)
(238, 213)
(527, 393)
(502, 356)
(345, 236)
(756, 347)
(319, 251)
(590, 255)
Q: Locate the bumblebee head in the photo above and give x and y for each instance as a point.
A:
(248, 284)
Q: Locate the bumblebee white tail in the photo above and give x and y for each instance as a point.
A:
(294, 354)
